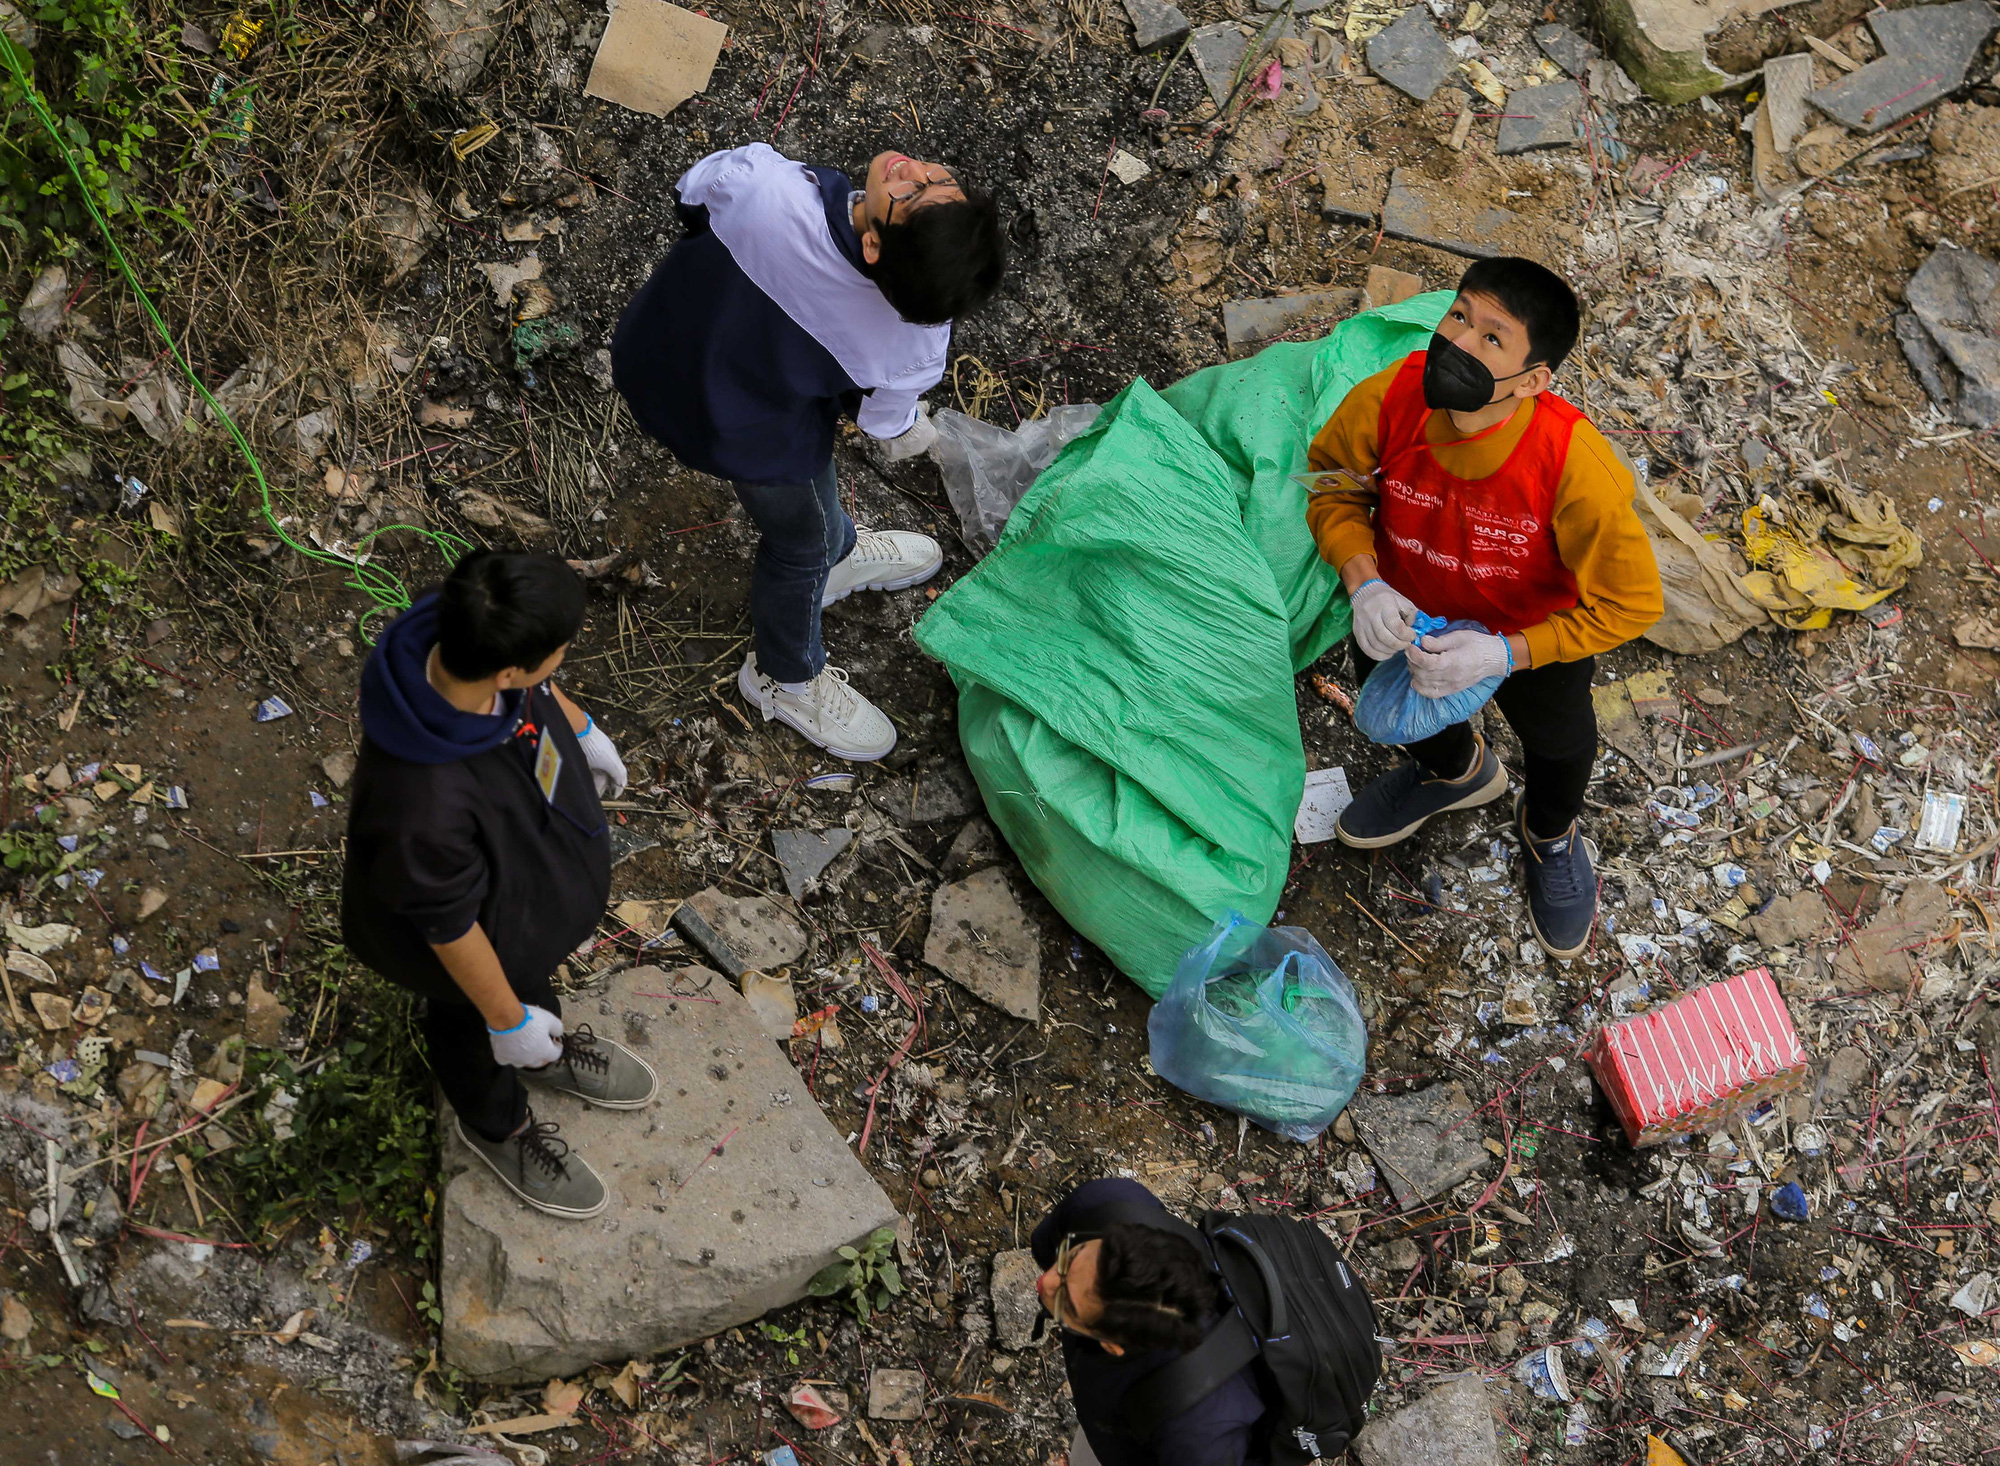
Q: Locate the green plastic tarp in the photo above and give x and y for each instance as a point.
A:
(1125, 655)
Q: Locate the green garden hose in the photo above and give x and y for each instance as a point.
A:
(379, 585)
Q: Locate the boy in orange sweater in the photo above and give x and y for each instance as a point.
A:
(1464, 488)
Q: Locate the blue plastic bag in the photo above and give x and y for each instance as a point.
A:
(1390, 710)
(1260, 1021)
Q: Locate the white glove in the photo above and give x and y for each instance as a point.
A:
(1384, 620)
(916, 438)
(534, 1041)
(606, 767)
(1451, 661)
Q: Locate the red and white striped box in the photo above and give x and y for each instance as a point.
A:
(1688, 1068)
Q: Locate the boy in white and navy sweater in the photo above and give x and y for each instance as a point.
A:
(797, 298)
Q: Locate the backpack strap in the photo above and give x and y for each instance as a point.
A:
(1216, 1227)
(1182, 1383)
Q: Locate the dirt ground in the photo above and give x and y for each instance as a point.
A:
(250, 1322)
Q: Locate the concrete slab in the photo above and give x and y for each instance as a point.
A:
(804, 854)
(982, 940)
(726, 1195)
(1217, 50)
(1926, 52)
(1565, 47)
(740, 933)
(1345, 204)
(1016, 1306)
(1250, 323)
(1450, 1426)
(1426, 212)
(1155, 24)
(1541, 117)
(1788, 80)
(1411, 56)
(1424, 1143)
(1385, 286)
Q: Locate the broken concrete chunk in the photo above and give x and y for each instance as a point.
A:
(1450, 1426)
(338, 767)
(896, 1394)
(1217, 50)
(974, 848)
(726, 1196)
(1343, 204)
(1541, 117)
(1663, 44)
(1787, 80)
(941, 790)
(1926, 52)
(1423, 1143)
(1155, 24)
(1951, 333)
(1411, 56)
(740, 933)
(982, 940)
(804, 855)
(1426, 212)
(1385, 286)
(1249, 323)
(1016, 1306)
(1565, 47)
(466, 31)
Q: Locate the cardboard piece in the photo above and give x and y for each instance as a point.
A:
(654, 56)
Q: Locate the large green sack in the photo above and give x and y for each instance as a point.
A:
(1125, 655)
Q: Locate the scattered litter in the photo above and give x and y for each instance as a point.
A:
(271, 709)
(1790, 1203)
(1326, 795)
(654, 56)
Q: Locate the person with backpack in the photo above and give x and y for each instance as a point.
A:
(1246, 1341)
(798, 297)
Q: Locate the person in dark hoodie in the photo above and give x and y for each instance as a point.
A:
(478, 858)
(799, 297)
(1130, 1299)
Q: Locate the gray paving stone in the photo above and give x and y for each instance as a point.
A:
(692, 1242)
(1411, 56)
(1926, 52)
(1541, 117)
(740, 933)
(1249, 323)
(982, 940)
(1424, 1143)
(1565, 47)
(1425, 212)
(1155, 24)
(804, 854)
(1217, 50)
(1345, 204)
(1450, 1426)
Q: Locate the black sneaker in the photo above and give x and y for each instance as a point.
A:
(1562, 887)
(597, 1071)
(1396, 805)
(537, 1166)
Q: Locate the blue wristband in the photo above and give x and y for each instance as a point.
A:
(1509, 646)
(527, 1013)
(1371, 580)
(587, 726)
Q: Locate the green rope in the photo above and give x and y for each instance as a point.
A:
(379, 585)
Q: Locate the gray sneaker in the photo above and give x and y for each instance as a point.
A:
(598, 1072)
(541, 1169)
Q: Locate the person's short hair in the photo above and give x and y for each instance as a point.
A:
(499, 610)
(1534, 295)
(944, 260)
(1157, 1291)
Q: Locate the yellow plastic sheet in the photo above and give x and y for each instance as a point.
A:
(1813, 560)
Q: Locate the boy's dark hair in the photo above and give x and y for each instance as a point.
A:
(944, 260)
(1158, 1292)
(1534, 295)
(500, 610)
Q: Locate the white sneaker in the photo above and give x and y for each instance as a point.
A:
(829, 712)
(883, 559)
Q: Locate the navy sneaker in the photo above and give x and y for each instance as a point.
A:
(1396, 805)
(1562, 887)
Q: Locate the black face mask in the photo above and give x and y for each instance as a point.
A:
(1457, 381)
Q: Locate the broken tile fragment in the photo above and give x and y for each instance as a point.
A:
(1411, 56)
(1155, 24)
(1565, 47)
(982, 940)
(1541, 117)
(1926, 53)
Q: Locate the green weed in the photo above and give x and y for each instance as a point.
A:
(866, 1278)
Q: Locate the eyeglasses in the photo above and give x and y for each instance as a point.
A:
(905, 191)
(1066, 1253)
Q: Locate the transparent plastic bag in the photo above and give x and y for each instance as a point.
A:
(987, 469)
(1259, 1020)
(1390, 710)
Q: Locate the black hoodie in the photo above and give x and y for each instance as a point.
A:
(448, 826)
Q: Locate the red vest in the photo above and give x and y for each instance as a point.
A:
(1472, 549)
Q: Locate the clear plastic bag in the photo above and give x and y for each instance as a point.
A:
(987, 469)
(1259, 1020)
(1390, 710)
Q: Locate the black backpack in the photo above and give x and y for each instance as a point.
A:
(1299, 1316)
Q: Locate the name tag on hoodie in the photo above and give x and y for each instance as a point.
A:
(548, 765)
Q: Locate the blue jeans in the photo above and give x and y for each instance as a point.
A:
(805, 534)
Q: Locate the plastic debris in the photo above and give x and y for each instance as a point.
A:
(271, 709)
(1789, 1202)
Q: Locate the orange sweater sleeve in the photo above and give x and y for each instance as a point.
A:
(1342, 519)
(1604, 544)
